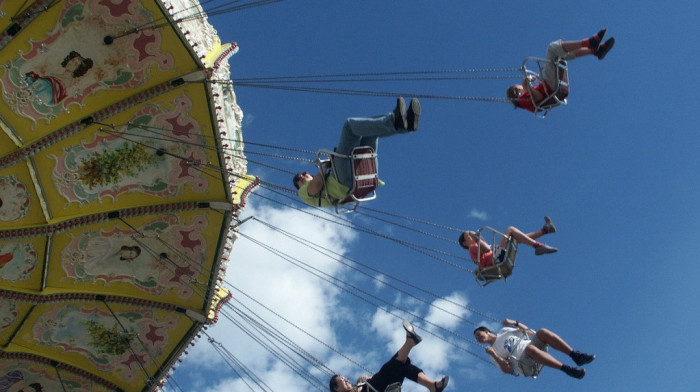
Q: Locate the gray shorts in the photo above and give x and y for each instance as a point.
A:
(528, 366)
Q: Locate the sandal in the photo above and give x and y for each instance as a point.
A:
(445, 380)
(411, 332)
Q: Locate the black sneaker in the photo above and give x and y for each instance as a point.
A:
(413, 114)
(544, 249)
(400, 114)
(411, 331)
(604, 48)
(598, 38)
(581, 358)
(574, 372)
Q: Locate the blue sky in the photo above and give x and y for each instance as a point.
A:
(616, 169)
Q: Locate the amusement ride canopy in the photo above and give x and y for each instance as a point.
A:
(118, 189)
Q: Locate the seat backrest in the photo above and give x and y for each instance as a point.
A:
(561, 90)
(363, 161)
(530, 368)
(503, 265)
(525, 367)
(395, 387)
(367, 387)
(364, 172)
(494, 272)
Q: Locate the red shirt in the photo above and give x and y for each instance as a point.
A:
(525, 102)
(486, 257)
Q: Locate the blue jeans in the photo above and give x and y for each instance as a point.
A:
(361, 131)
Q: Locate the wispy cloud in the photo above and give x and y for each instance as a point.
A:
(481, 215)
(286, 289)
(248, 119)
(316, 308)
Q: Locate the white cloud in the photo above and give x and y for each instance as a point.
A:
(248, 119)
(380, 281)
(446, 312)
(367, 336)
(289, 291)
(481, 215)
(433, 355)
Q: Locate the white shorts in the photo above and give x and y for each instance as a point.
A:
(528, 365)
(554, 51)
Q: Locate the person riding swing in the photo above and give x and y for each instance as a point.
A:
(327, 188)
(534, 98)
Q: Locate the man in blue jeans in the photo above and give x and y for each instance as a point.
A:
(357, 131)
(395, 370)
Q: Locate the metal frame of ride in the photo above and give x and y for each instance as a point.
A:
(395, 387)
(503, 263)
(532, 371)
(364, 172)
(559, 92)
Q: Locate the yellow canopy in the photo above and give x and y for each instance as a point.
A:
(117, 190)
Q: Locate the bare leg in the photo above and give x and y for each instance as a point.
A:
(585, 46)
(554, 340)
(571, 46)
(582, 52)
(522, 238)
(402, 354)
(542, 357)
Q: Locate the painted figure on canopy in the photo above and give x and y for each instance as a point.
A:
(51, 89)
(14, 199)
(129, 253)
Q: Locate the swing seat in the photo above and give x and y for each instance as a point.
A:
(557, 96)
(395, 387)
(531, 369)
(363, 161)
(503, 258)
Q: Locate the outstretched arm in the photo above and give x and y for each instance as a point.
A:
(502, 363)
(519, 325)
(316, 184)
(515, 323)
